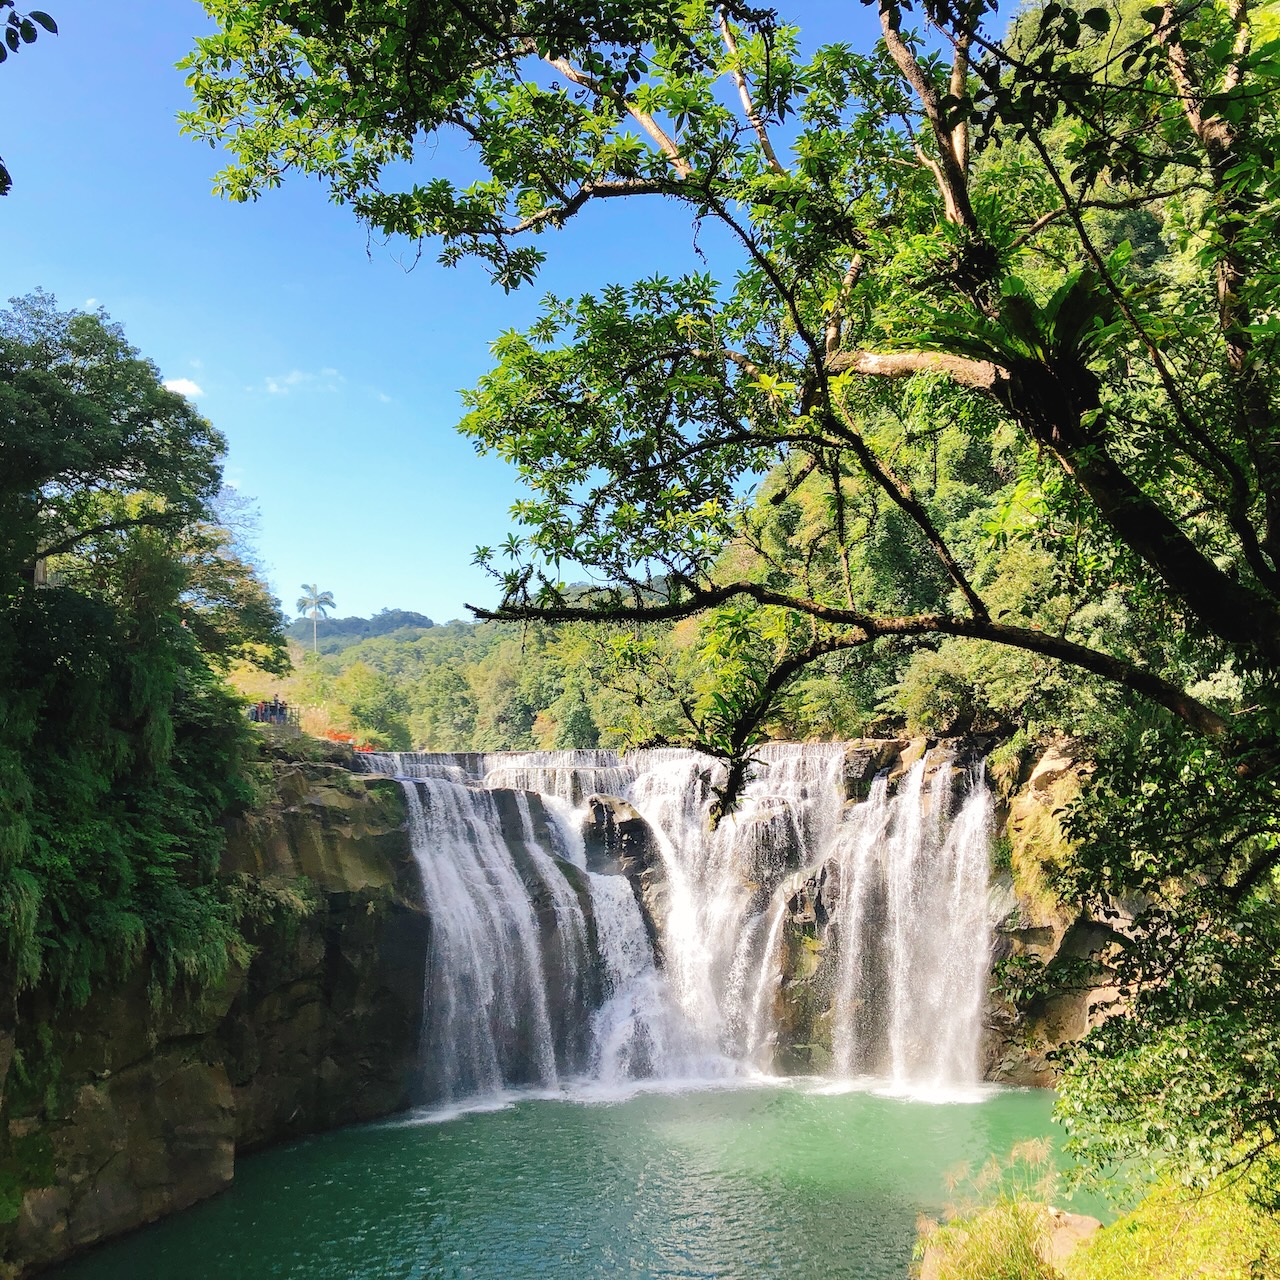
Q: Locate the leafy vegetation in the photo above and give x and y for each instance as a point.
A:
(1174, 1233)
(969, 421)
(122, 600)
(999, 1229)
(333, 634)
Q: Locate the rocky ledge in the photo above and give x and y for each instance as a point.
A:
(117, 1114)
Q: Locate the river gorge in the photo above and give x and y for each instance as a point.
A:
(612, 1035)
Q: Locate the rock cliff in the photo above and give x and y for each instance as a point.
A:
(136, 1106)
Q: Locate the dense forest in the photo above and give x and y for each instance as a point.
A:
(125, 597)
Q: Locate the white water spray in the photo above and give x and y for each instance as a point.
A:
(907, 943)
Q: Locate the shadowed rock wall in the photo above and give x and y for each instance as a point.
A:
(133, 1107)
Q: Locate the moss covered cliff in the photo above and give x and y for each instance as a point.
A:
(135, 1105)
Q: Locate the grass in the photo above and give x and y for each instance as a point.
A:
(999, 1228)
(1177, 1234)
(1002, 1232)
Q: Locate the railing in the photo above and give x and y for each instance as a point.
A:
(280, 717)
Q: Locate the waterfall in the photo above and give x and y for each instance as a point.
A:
(639, 1031)
(914, 934)
(722, 880)
(543, 972)
(486, 1020)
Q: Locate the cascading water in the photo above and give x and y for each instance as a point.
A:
(487, 1020)
(543, 972)
(721, 880)
(914, 933)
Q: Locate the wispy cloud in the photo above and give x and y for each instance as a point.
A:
(324, 380)
(90, 303)
(184, 387)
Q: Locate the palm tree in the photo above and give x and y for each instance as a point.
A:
(317, 603)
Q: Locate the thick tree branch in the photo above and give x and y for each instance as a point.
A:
(949, 169)
(557, 215)
(981, 375)
(863, 628)
(170, 519)
(1049, 412)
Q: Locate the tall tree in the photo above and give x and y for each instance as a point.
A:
(990, 299)
(315, 604)
(121, 750)
(874, 250)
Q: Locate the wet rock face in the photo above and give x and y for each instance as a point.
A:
(130, 1109)
(619, 841)
(802, 1007)
(866, 757)
(1037, 929)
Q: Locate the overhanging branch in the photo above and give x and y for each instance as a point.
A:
(864, 628)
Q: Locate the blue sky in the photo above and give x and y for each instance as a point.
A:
(332, 370)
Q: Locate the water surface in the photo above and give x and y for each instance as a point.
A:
(784, 1180)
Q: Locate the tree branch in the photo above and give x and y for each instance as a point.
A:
(753, 116)
(948, 169)
(866, 627)
(665, 143)
(170, 519)
(559, 214)
(981, 375)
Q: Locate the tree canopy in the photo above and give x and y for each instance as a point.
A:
(123, 597)
(985, 384)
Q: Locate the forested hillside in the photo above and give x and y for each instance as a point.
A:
(124, 597)
(333, 634)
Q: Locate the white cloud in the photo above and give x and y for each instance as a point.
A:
(90, 303)
(300, 380)
(184, 387)
(383, 398)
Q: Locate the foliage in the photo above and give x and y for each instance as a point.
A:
(1174, 1233)
(1001, 1229)
(334, 634)
(121, 597)
(1186, 1077)
(465, 686)
(883, 285)
(970, 414)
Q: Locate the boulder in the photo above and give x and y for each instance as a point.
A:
(620, 842)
